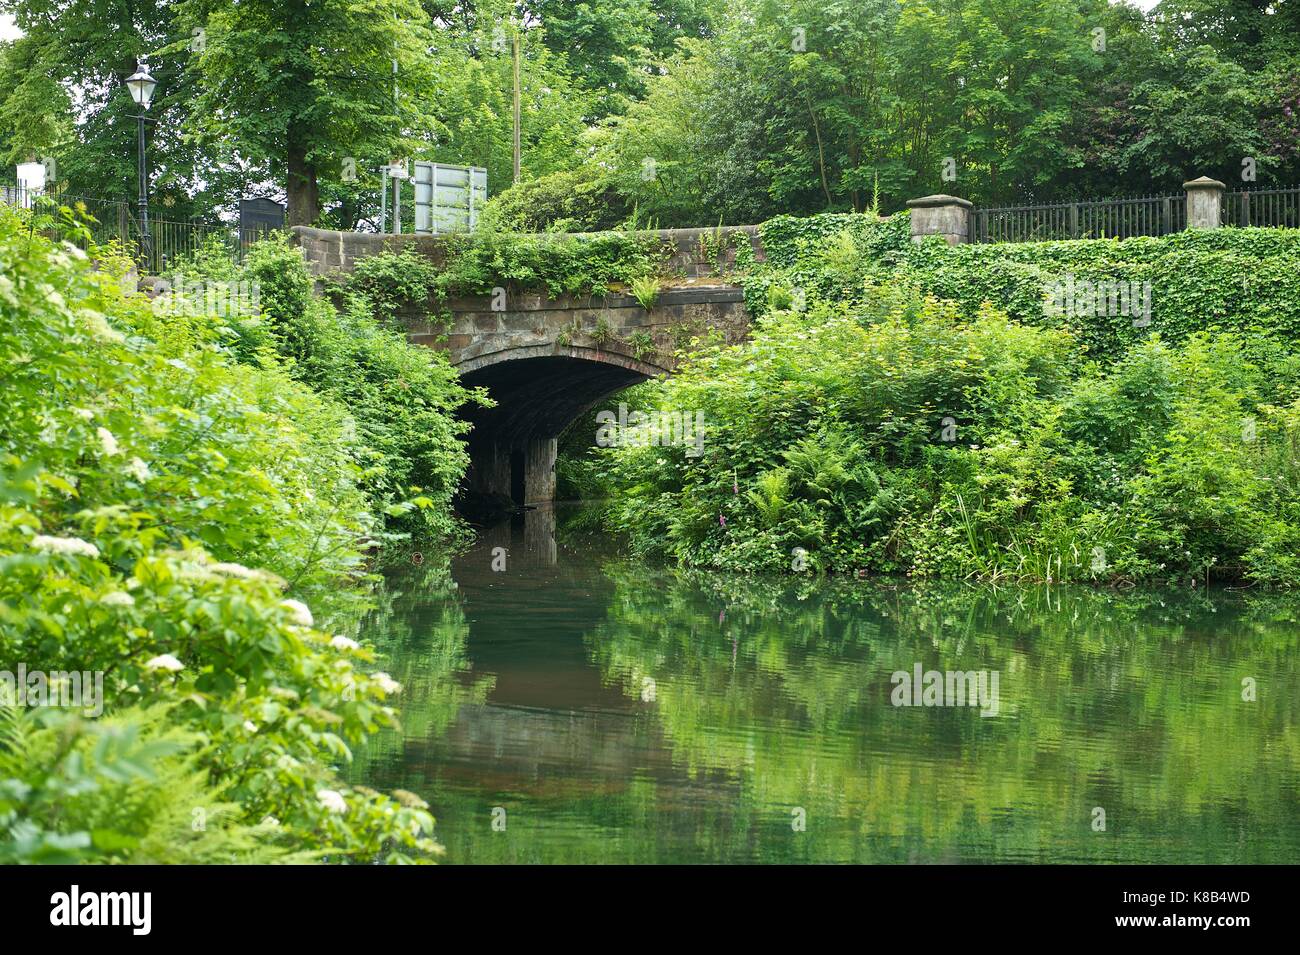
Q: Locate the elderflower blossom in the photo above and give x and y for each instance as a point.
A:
(117, 598)
(343, 643)
(298, 611)
(234, 570)
(107, 442)
(65, 545)
(332, 800)
(386, 682)
(165, 661)
(99, 327)
(138, 470)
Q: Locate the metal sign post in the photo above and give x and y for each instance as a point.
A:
(398, 171)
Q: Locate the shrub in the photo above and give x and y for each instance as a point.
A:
(166, 514)
(565, 201)
(892, 431)
(558, 264)
(402, 397)
(393, 281)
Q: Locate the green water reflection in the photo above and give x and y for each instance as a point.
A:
(619, 712)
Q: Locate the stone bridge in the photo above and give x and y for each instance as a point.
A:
(546, 362)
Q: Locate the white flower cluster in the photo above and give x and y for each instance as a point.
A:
(72, 546)
(332, 800)
(98, 326)
(386, 683)
(299, 612)
(107, 442)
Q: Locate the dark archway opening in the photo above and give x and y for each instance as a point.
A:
(517, 490)
(513, 445)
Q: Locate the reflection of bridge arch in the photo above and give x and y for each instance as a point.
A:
(539, 390)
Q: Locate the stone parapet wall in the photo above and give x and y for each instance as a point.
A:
(687, 252)
(611, 324)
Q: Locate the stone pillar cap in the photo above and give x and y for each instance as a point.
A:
(1205, 182)
(938, 200)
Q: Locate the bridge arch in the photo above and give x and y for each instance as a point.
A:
(646, 369)
(544, 364)
(545, 361)
(538, 390)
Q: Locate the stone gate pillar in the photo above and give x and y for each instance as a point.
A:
(947, 216)
(1204, 203)
(539, 470)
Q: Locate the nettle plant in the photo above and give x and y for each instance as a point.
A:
(167, 514)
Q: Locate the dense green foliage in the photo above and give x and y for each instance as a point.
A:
(167, 512)
(872, 425)
(1238, 280)
(557, 264)
(177, 486)
(401, 397)
(807, 105)
(684, 111)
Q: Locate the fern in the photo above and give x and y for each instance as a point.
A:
(121, 789)
(771, 497)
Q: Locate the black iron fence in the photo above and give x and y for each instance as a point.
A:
(111, 217)
(1128, 217)
(173, 239)
(1263, 207)
(1092, 219)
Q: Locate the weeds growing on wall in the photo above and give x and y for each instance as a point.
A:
(558, 264)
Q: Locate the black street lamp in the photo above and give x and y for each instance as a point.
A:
(141, 85)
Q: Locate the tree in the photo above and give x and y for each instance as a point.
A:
(1202, 120)
(613, 46)
(474, 102)
(62, 94)
(308, 88)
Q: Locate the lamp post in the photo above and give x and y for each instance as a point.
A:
(141, 86)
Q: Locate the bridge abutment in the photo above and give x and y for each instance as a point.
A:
(489, 472)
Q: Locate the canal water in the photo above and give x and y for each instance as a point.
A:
(563, 703)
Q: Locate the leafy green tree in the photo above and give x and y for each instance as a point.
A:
(606, 41)
(304, 88)
(473, 103)
(1202, 120)
(62, 95)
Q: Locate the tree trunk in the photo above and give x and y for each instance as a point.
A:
(301, 188)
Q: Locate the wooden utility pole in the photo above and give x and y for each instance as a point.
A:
(516, 55)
